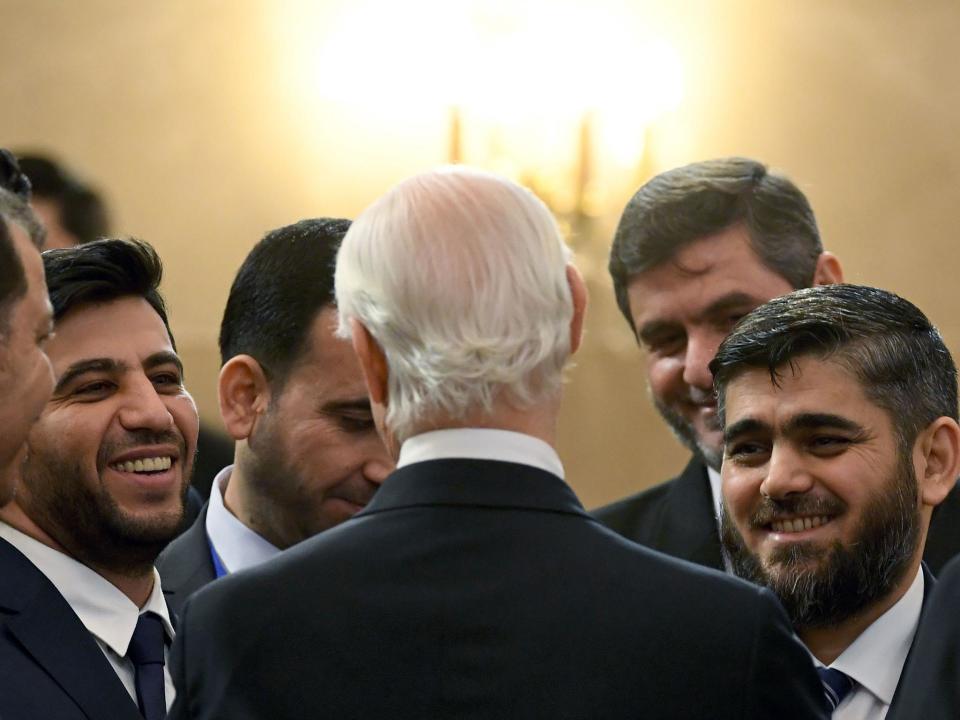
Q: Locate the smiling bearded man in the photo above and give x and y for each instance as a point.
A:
(839, 408)
(108, 466)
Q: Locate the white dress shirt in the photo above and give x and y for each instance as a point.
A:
(875, 659)
(481, 444)
(104, 610)
(237, 546)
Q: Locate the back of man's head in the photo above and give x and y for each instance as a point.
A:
(460, 277)
(695, 201)
(281, 286)
(78, 208)
(102, 271)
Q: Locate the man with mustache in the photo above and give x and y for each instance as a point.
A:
(291, 395)
(697, 248)
(839, 413)
(85, 628)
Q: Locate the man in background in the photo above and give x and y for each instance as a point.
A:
(85, 628)
(291, 394)
(839, 413)
(474, 584)
(697, 248)
(25, 323)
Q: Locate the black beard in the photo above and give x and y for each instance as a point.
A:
(824, 587)
(87, 521)
(687, 436)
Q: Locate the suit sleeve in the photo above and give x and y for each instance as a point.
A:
(930, 686)
(781, 682)
(178, 670)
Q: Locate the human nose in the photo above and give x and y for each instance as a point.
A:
(379, 466)
(701, 349)
(144, 408)
(786, 474)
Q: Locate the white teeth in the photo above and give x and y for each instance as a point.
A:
(799, 524)
(153, 464)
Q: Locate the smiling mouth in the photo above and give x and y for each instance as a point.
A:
(158, 464)
(796, 525)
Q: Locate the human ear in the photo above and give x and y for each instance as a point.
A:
(828, 270)
(578, 292)
(937, 459)
(244, 394)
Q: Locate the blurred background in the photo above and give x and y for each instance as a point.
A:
(206, 123)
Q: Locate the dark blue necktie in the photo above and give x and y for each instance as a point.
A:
(836, 685)
(146, 654)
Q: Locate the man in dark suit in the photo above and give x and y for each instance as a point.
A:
(697, 248)
(474, 585)
(931, 683)
(839, 413)
(292, 396)
(85, 629)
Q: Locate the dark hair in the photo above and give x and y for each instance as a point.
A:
(14, 208)
(694, 201)
(281, 286)
(886, 342)
(82, 211)
(101, 271)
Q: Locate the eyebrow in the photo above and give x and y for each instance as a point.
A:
(341, 406)
(803, 421)
(101, 365)
(721, 304)
(113, 367)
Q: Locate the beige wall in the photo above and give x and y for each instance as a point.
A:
(204, 131)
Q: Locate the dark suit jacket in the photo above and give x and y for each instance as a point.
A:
(51, 667)
(185, 565)
(896, 705)
(677, 518)
(930, 685)
(482, 589)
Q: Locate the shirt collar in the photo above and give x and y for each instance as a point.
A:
(237, 546)
(715, 491)
(876, 658)
(481, 444)
(102, 608)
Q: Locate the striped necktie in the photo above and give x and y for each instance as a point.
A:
(836, 686)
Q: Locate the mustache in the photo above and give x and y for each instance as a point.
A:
(770, 510)
(137, 438)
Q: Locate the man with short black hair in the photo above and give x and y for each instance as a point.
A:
(102, 491)
(697, 248)
(839, 413)
(291, 394)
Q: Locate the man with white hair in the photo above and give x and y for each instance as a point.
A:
(474, 585)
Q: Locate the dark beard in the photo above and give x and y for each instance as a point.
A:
(687, 436)
(87, 521)
(823, 587)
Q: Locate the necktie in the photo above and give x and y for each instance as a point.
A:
(836, 685)
(146, 654)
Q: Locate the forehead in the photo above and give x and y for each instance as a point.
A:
(126, 329)
(807, 386)
(701, 272)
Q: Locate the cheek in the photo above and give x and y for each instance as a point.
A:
(184, 413)
(663, 375)
(740, 492)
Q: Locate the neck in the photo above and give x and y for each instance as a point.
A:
(828, 643)
(539, 421)
(135, 582)
(256, 512)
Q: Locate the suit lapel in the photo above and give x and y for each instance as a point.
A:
(52, 634)
(185, 566)
(687, 527)
(928, 584)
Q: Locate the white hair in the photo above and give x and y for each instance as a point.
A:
(460, 277)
